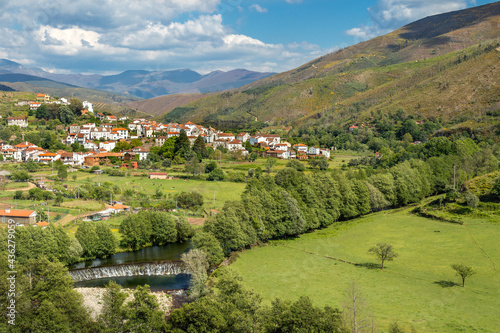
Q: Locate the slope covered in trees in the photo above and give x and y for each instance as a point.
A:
(448, 74)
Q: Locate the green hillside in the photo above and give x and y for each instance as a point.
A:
(449, 71)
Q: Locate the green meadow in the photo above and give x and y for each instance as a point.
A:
(419, 290)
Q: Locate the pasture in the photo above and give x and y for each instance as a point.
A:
(418, 289)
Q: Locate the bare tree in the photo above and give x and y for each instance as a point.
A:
(356, 315)
(384, 252)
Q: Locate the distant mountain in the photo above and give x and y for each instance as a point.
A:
(441, 66)
(10, 81)
(146, 84)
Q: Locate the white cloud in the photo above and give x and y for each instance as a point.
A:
(112, 36)
(388, 15)
(258, 8)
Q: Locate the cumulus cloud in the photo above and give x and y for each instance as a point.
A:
(112, 36)
(388, 15)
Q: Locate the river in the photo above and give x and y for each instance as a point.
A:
(164, 253)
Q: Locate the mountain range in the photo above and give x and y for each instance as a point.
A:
(443, 66)
(134, 84)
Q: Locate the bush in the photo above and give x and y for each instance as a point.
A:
(216, 174)
(115, 172)
(296, 165)
(189, 200)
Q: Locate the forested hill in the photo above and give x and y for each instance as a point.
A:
(441, 66)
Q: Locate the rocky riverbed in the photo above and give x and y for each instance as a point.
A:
(93, 299)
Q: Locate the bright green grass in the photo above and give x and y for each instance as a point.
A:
(17, 186)
(224, 191)
(406, 291)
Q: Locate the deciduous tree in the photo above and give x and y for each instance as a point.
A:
(463, 271)
(384, 252)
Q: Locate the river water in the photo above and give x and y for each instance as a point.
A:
(149, 254)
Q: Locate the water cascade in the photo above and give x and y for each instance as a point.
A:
(171, 267)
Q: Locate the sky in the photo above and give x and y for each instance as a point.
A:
(111, 36)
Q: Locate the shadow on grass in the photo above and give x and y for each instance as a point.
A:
(369, 265)
(446, 284)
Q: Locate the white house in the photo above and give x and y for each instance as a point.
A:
(98, 133)
(225, 136)
(119, 133)
(243, 137)
(89, 145)
(35, 105)
(234, 145)
(220, 143)
(325, 152)
(313, 151)
(107, 145)
(48, 157)
(300, 147)
(87, 105)
(17, 121)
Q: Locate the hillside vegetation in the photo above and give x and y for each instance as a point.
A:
(442, 66)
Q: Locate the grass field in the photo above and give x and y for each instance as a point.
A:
(223, 191)
(417, 290)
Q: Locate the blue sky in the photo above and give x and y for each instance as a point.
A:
(95, 36)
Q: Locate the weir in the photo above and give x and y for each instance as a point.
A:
(171, 267)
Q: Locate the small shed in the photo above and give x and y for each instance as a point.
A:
(158, 175)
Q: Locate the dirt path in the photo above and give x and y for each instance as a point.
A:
(69, 218)
(30, 186)
(195, 220)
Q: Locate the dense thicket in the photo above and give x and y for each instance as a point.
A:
(155, 228)
(292, 202)
(233, 308)
(34, 242)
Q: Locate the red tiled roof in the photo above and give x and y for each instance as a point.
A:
(17, 213)
(42, 224)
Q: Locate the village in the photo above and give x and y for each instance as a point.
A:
(100, 140)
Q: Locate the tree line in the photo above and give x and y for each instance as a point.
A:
(292, 202)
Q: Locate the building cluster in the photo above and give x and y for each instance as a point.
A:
(43, 99)
(100, 141)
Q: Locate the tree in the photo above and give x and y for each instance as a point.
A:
(216, 174)
(252, 157)
(297, 165)
(31, 166)
(495, 190)
(112, 310)
(143, 313)
(182, 144)
(197, 265)
(472, 200)
(194, 166)
(59, 199)
(383, 252)
(41, 112)
(355, 311)
(207, 242)
(199, 147)
(76, 106)
(62, 172)
(66, 115)
(463, 271)
(270, 163)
